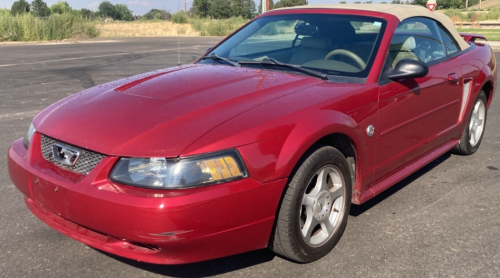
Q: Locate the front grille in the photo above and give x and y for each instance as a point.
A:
(85, 163)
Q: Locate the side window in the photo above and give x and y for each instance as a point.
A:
(451, 46)
(416, 38)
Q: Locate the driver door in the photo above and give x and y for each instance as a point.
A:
(416, 115)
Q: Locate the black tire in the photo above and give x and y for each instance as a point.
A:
(466, 147)
(288, 239)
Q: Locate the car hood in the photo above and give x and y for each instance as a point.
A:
(161, 113)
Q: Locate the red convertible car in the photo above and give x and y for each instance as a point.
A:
(265, 141)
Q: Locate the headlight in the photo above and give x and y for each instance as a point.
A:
(28, 136)
(195, 171)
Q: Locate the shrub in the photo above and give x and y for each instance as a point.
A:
(221, 27)
(456, 15)
(156, 14)
(473, 17)
(4, 13)
(494, 14)
(179, 17)
(26, 27)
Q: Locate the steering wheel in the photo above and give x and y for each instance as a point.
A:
(349, 54)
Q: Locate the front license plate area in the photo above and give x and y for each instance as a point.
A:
(50, 196)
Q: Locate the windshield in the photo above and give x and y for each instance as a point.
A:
(333, 44)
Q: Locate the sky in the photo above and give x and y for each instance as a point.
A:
(140, 7)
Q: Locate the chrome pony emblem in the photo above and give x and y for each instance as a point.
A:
(370, 130)
(64, 154)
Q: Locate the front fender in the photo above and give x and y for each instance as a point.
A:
(310, 130)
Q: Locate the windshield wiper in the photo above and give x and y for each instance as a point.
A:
(214, 56)
(274, 62)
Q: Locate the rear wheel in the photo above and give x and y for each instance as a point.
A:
(313, 213)
(474, 130)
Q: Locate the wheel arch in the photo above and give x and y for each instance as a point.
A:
(334, 129)
(486, 81)
(488, 90)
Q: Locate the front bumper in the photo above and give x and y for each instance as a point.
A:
(156, 226)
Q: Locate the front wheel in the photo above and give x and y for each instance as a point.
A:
(474, 130)
(313, 213)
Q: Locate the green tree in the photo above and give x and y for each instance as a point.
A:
(243, 8)
(123, 13)
(60, 7)
(86, 13)
(39, 8)
(201, 8)
(157, 15)
(220, 9)
(106, 9)
(289, 3)
(20, 7)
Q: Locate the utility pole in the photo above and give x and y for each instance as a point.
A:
(184, 6)
(265, 6)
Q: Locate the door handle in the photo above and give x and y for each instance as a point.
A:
(453, 78)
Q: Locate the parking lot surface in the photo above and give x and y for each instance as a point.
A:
(442, 221)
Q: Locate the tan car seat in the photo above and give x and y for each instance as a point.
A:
(404, 50)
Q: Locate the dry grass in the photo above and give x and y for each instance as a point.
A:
(485, 4)
(145, 29)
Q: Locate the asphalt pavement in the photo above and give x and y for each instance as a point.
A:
(443, 221)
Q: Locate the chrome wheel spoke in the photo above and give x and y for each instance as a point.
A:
(476, 125)
(336, 193)
(309, 226)
(308, 201)
(327, 227)
(476, 109)
(473, 136)
(322, 182)
(479, 122)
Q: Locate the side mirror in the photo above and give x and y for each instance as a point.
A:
(408, 68)
(208, 49)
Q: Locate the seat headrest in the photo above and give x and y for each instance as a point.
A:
(314, 42)
(339, 32)
(407, 45)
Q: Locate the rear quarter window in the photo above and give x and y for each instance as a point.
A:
(451, 46)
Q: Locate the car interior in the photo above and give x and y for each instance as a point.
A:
(331, 45)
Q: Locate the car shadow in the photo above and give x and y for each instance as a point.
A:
(357, 210)
(202, 269)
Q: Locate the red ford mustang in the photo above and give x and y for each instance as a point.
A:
(263, 142)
